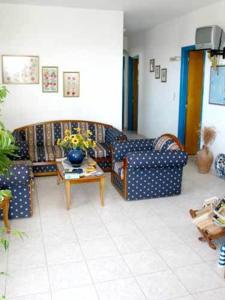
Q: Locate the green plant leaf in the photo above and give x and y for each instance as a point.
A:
(3, 93)
(18, 234)
(4, 243)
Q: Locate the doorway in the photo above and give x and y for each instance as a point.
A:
(133, 63)
(192, 74)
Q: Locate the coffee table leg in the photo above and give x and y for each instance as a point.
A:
(58, 178)
(102, 187)
(68, 194)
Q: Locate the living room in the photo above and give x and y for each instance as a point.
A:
(66, 240)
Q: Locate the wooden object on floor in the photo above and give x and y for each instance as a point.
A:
(209, 231)
(4, 205)
(86, 179)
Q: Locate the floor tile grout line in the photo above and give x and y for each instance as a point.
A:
(139, 230)
(161, 258)
(43, 241)
(6, 271)
(132, 275)
(172, 270)
(206, 291)
(155, 249)
(120, 255)
(202, 260)
(85, 261)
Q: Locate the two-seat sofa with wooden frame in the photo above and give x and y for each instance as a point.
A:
(38, 143)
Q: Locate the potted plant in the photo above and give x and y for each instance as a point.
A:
(7, 150)
(204, 156)
(76, 145)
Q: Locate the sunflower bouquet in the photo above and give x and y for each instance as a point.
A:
(77, 140)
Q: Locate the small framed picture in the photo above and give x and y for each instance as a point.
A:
(163, 75)
(71, 84)
(20, 69)
(152, 65)
(157, 72)
(49, 79)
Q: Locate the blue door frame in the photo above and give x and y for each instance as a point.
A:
(130, 92)
(183, 91)
(123, 92)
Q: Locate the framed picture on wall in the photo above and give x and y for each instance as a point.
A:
(152, 65)
(71, 84)
(20, 69)
(163, 75)
(157, 72)
(49, 79)
(217, 86)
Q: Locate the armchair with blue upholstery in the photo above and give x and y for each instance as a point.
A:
(19, 181)
(148, 168)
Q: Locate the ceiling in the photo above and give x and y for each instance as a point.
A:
(139, 14)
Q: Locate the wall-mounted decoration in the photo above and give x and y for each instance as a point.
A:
(49, 79)
(152, 65)
(217, 86)
(163, 75)
(20, 69)
(157, 72)
(71, 84)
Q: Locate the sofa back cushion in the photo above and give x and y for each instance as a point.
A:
(47, 134)
(166, 142)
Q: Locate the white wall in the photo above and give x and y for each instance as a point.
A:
(159, 102)
(88, 41)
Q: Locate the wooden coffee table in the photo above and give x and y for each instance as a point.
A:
(99, 177)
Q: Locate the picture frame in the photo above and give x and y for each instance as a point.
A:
(50, 79)
(217, 86)
(152, 65)
(71, 84)
(157, 72)
(164, 75)
(20, 69)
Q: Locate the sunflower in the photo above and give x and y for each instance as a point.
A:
(67, 132)
(78, 130)
(74, 141)
(89, 133)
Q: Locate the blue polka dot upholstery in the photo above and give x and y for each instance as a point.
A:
(121, 149)
(220, 165)
(113, 134)
(156, 159)
(141, 172)
(18, 181)
(38, 142)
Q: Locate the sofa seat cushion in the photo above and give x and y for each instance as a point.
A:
(102, 150)
(51, 153)
(45, 153)
(58, 151)
(118, 169)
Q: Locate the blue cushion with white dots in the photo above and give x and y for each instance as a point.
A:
(18, 181)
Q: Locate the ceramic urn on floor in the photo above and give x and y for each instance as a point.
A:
(204, 158)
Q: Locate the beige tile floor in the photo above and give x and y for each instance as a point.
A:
(125, 251)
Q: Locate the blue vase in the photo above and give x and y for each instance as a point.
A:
(76, 157)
